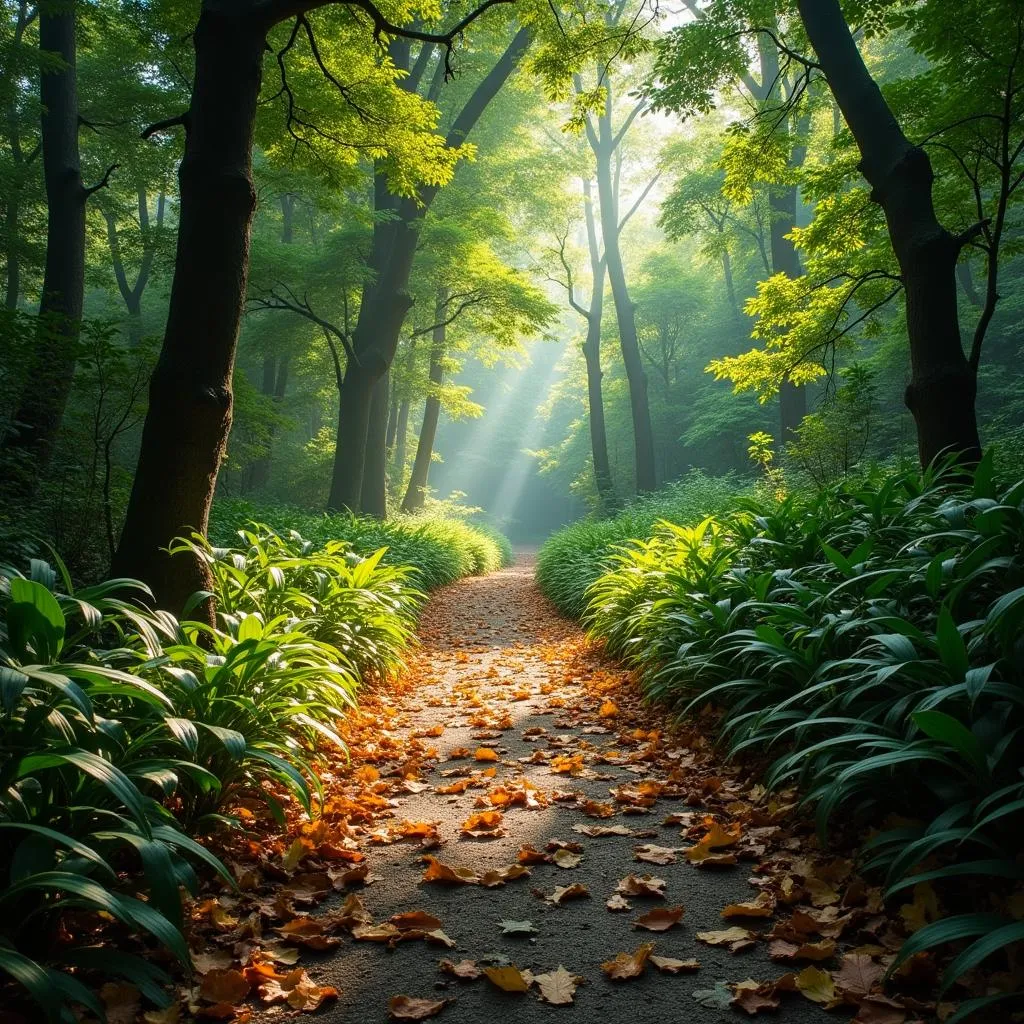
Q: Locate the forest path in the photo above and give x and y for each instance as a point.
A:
(499, 669)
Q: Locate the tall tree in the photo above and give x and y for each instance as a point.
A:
(942, 389)
(52, 366)
(384, 306)
(189, 415)
(605, 140)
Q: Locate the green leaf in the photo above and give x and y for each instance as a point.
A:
(949, 929)
(952, 649)
(34, 978)
(947, 729)
(119, 785)
(979, 951)
(34, 621)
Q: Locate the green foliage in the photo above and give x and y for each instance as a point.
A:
(111, 717)
(438, 549)
(867, 636)
(575, 557)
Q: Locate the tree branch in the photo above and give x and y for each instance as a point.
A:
(103, 182)
(640, 199)
(168, 122)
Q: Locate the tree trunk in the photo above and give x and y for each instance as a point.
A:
(625, 313)
(942, 389)
(52, 367)
(592, 357)
(12, 212)
(389, 437)
(416, 494)
(189, 415)
(730, 287)
(785, 260)
(374, 497)
(386, 301)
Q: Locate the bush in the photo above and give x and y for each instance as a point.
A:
(121, 730)
(575, 557)
(440, 549)
(869, 636)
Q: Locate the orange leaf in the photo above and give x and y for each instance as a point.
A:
(485, 754)
(508, 979)
(660, 919)
(628, 965)
(408, 1008)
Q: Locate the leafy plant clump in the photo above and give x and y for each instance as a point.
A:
(868, 637)
(575, 557)
(123, 733)
(439, 549)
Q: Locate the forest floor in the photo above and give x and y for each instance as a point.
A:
(563, 816)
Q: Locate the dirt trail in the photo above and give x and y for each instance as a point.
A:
(498, 668)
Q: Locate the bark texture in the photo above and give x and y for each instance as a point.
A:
(942, 388)
(52, 367)
(189, 414)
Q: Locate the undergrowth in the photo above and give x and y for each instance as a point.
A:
(124, 733)
(441, 549)
(869, 637)
(575, 557)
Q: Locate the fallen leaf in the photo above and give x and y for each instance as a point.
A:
(672, 966)
(224, 986)
(660, 919)
(880, 1010)
(754, 996)
(508, 979)
(438, 872)
(858, 975)
(466, 970)
(563, 893)
(485, 754)
(787, 952)
(763, 906)
(566, 858)
(484, 821)
(643, 885)
(628, 965)
(557, 987)
(816, 985)
(736, 939)
(608, 709)
(298, 990)
(415, 919)
(655, 854)
(717, 998)
(121, 1001)
(408, 1008)
(598, 831)
(509, 927)
(618, 902)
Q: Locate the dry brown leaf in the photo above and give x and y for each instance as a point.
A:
(670, 965)
(597, 831)
(483, 821)
(224, 986)
(880, 1010)
(530, 855)
(660, 919)
(466, 970)
(121, 1001)
(642, 885)
(654, 854)
(415, 919)
(564, 893)
(566, 858)
(736, 939)
(763, 906)
(308, 932)
(408, 1008)
(557, 987)
(618, 903)
(787, 952)
(754, 996)
(438, 872)
(628, 965)
(858, 975)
